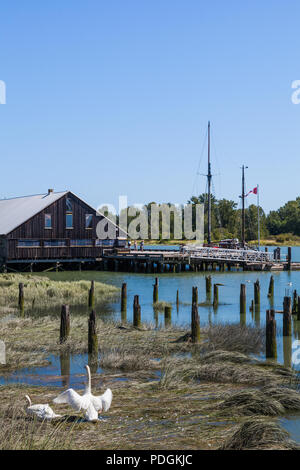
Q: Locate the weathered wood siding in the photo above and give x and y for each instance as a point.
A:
(34, 229)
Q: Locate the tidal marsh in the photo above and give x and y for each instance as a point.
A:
(167, 392)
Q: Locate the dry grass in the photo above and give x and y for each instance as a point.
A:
(235, 338)
(40, 291)
(160, 306)
(183, 408)
(268, 401)
(251, 402)
(259, 433)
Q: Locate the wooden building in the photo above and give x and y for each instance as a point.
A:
(56, 226)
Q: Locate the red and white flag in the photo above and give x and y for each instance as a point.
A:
(253, 191)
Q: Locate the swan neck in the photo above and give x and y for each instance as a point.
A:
(28, 399)
(89, 384)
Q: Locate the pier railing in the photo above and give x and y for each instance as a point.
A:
(231, 255)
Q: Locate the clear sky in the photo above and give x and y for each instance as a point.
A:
(110, 98)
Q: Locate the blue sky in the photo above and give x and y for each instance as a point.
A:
(113, 97)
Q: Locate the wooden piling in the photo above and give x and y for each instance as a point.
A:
(295, 303)
(136, 312)
(257, 295)
(271, 287)
(216, 296)
(168, 316)
(92, 295)
(177, 299)
(243, 299)
(21, 298)
(195, 324)
(124, 297)
(92, 334)
(289, 258)
(195, 295)
(64, 323)
(208, 286)
(155, 290)
(287, 316)
(298, 309)
(271, 345)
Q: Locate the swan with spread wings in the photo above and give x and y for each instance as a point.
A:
(87, 402)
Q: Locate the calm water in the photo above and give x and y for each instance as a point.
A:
(227, 311)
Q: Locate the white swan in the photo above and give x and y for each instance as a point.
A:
(87, 402)
(42, 412)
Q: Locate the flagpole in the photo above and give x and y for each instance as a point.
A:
(258, 221)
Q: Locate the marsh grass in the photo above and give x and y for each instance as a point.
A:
(259, 433)
(172, 394)
(236, 338)
(271, 400)
(160, 306)
(18, 432)
(42, 292)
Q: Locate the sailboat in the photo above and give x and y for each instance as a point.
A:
(232, 243)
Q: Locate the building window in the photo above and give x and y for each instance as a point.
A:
(69, 220)
(105, 242)
(54, 243)
(48, 221)
(81, 242)
(88, 220)
(28, 243)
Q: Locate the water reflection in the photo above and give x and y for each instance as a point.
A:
(287, 351)
(65, 367)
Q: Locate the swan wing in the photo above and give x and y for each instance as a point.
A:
(41, 412)
(73, 398)
(103, 402)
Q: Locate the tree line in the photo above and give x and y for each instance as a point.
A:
(226, 219)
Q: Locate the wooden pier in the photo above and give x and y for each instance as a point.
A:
(160, 261)
(204, 259)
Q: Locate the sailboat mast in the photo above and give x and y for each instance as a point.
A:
(243, 205)
(209, 176)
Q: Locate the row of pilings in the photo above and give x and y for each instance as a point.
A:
(152, 267)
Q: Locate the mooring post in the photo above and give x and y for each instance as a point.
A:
(252, 306)
(195, 295)
(208, 286)
(271, 287)
(195, 324)
(295, 302)
(92, 295)
(216, 296)
(177, 299)
(64, 323)
(124, 297)
(298, 309)
(243, 298)
(271, 345)
(168, 316)
(257, 295)
(289, 257)
(287, 316)
(21, 298)
(155, 290)
(92, 334)
(136, 312)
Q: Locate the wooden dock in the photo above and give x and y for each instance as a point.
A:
(160, 261)
(205, 259)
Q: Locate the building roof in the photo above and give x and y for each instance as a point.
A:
(17, 210)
